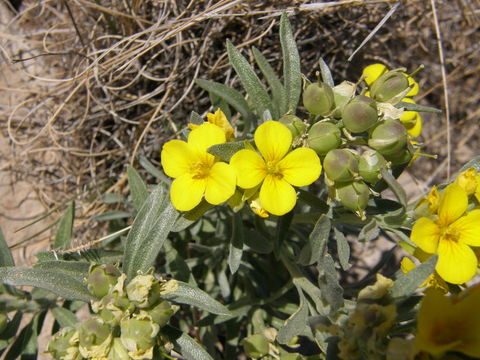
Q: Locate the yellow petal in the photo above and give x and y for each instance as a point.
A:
(273, 140)
(434, 334)
(457, 262)
(219, 119)
(373, 72)
(250, 168)
(300, 167)
(426, 234)
(416, 130)
(205, 136)
(277, 196)
(176, 158)
(186, 192)
(221, 183)
(453, 204)
(415, 87)
(406, 265)
(467, 181)
(468, 228)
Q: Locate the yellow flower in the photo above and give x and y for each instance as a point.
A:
(429, 204)
(451, 236)
(411, 120)
(468, 181)
(449, 323)
(219, 119)
(196, 172)
(277, 169)
(373, 72)
(477, 190)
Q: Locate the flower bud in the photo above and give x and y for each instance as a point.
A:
(296, 126)
(373, 72)
(144, 290)
(138, 336)
(389, 85)
(388, 137)
(100, 278)
(318, 99)
(340, 165)
(360, 114)
(63, 344)
(323, 137)
(369, 166)
(95, 338)
(256, 346)
(353, 195)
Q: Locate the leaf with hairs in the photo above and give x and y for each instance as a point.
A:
(291, 64)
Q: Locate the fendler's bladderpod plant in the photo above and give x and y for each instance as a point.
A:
(258, 205)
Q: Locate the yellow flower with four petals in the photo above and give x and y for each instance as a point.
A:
(197, 173)
(276, 169)
(451, 236)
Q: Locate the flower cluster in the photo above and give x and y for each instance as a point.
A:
(127, 323)
(450, 226)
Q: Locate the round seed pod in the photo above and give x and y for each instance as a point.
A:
(400, 158)
(323, 137)
(389, 85)
(353, 195)
(369, 165)
(360, 114)
(388, 137)
(318, 99)
(296, 126)
(340, 165)
(101, 278)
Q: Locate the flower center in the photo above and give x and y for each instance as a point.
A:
(451, 234)
(201, 169)
(273, 169)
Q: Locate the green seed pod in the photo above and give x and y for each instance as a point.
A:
(389, 85)
(144, 290)
(402, 157)
(353, 195)
(318, 99)
(340, 165)
(294, 124)
(101, 278)
(323, 137)
(161, 312)
(118, 351)
(94, 338)
(256, 346)
(138, 336)
(388, 137)
(360, 114)
(369, 166)
(63, 344)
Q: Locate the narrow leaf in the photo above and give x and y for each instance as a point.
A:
(415, 107)
(191, 295)
(195, 118)
(257, 242)
(291, 64)
(143, 223)
(138, 189)
(231, 96)
(153, 170)
(226, 150)
(77, 270)
(326, 73)
(236, 244)
(6, 258)
(58, 283)
(406, 284)
(64, 316)
(278, 90)
(250, 81)
(343, 249)
(295, 324)
(112, 215)
(317, 241)
(185, 345)
(149, 246)
(395, 186)
(333, 292)
(369, 232)
(63, 237)
(474, 163)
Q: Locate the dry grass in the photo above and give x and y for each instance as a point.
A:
(87, 88)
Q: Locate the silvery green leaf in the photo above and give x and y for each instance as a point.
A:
(296, 324)
(138, 189)
(236, 243)
(406, 284)
(185, 345)
(415, 107)
(291, 64)
(195, 118)
(226, 150)
(64, 317)
(369, 232)
(63, 237)
(343, 249)
(317, 241)
(76, 269)
(395, 186)
(326, 73)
